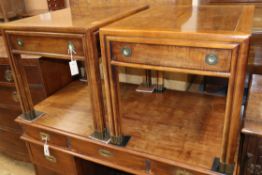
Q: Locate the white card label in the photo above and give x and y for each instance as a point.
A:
(73, 68)
(46, 150)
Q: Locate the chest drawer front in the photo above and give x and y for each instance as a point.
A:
(47, 44)
(118, 158)
(58, 161)
(9, 98)
(7, 119)
(11, 144)
(40, 135)
(172, 56)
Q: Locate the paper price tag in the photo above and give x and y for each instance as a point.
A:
(73, 68)
(46, 150)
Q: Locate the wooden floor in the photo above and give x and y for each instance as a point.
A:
(10, 166)
(179, 126)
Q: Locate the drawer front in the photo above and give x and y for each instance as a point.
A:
(7, 119)
(57, 161)
(11, 144)
(9, 98)
(40, 135)
(46, 44)
(164, 169)
(122, 159)
(172, 56)
(136, 164)
(6, 74)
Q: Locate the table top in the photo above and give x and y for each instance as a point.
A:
(75, 19)
(189, 20)
(253, 117)
(257, 22)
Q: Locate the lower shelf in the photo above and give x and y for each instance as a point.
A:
(68, 110)
(180, 126)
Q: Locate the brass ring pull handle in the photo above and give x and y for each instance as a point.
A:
(105, 153)
(15, 96)
(211, 59)
(51, 159)
(126, 52)
(8, 75)
(20, 42)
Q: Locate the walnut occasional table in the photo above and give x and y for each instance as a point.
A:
(76, 110)
(178, 132)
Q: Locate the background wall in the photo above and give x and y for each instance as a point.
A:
(38, 4)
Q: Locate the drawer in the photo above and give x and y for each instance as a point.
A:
(110, 156)
(172, 56)
(7, 119)
(38, 134)
(11, 144)
(6, 74)
(9, 98)
(47, 44)
(58, 161)
(139, 164)
(164, 169)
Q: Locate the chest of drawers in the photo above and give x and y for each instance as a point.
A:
(250, 161)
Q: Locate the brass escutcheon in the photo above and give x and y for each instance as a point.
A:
(183, 172)
(105, 153)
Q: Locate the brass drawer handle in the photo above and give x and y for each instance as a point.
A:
(20, 42)
(9, 76)
(211, 59)
(105, 153)
(126, 52)
(15, 97)
(51, 159)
